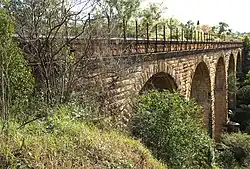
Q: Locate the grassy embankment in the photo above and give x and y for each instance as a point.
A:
(62, 142)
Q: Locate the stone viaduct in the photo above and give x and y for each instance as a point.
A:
(197, 70)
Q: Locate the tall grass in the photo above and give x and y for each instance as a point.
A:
(63, 142)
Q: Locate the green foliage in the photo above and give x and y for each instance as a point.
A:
(223, 27)
(232, 83)
(235, 152)
(242, 116)
(6, 26)
(63, 142)
(172, 128)
(188, 29)
(247, 79)
(16, 78)
(243, 95)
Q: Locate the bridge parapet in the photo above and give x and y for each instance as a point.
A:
(121, 47)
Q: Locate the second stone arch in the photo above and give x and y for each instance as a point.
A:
(201, 92)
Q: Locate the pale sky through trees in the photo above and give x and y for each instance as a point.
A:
(236, 13)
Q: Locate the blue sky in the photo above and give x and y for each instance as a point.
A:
(234, 12)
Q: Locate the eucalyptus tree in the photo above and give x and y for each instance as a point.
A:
(15, 77)
(149, 16)
(44, 29)
(222, 29)
(117, 13)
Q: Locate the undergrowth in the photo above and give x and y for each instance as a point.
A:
(63, 142)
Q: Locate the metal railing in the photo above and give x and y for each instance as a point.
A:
(159, 39)
(130, 46)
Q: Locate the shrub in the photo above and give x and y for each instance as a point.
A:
(63, 142)
(236, 151)
(232, 83)
(243, 95)
(17, 82)
(172, 128)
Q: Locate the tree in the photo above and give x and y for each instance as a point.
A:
(50, 33)
(206, 28)
(173, 23)
(16, 79)
(117, 11)
(171, 128)
(44, 30)
(188, 29)
(149, 16)
(223, 27)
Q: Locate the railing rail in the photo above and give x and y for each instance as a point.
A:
(118, 47)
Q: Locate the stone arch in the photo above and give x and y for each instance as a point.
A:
(231, 65)
(238, 63)
(160, 81)
(220, 102)
(201, 92)
(150, 70)
(231, 81)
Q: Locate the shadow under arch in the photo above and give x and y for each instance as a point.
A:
(231, 81)
(201, 93)
(239, 63)
(159, 81)
(231, 65)
(220, 108)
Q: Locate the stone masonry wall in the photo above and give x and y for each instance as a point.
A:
(181, 67)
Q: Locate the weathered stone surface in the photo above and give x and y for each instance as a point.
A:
(201, 75)
(206, 83)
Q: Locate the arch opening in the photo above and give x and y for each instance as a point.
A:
(220, 107)
(231, 81)
(239, 73)
(159, 81)
(201, 92)
(239, 63)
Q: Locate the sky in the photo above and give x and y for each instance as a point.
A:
(236, 13)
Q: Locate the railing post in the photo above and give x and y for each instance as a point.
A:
(177, 39)
(89, 31)
(182, 34)
(209, 40)
(195, 40)
(198, 41)
(89, 19)
(164, 37)
(147, 40)
(124, 30)
(186, 40)
(156, 38)
(202, 44)
(191, 40)
(170, 39)
(136, 36)
(191, 35)
(204, 39)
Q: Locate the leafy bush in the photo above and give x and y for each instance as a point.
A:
(247, 79)
(242, 116)
(232, 83)
(236, 151)
(17, 80)
(243, 95)
(62, 142)
(172, 128)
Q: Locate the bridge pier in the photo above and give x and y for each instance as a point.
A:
(220, 99)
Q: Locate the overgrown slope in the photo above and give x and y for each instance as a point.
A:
(60, 142)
